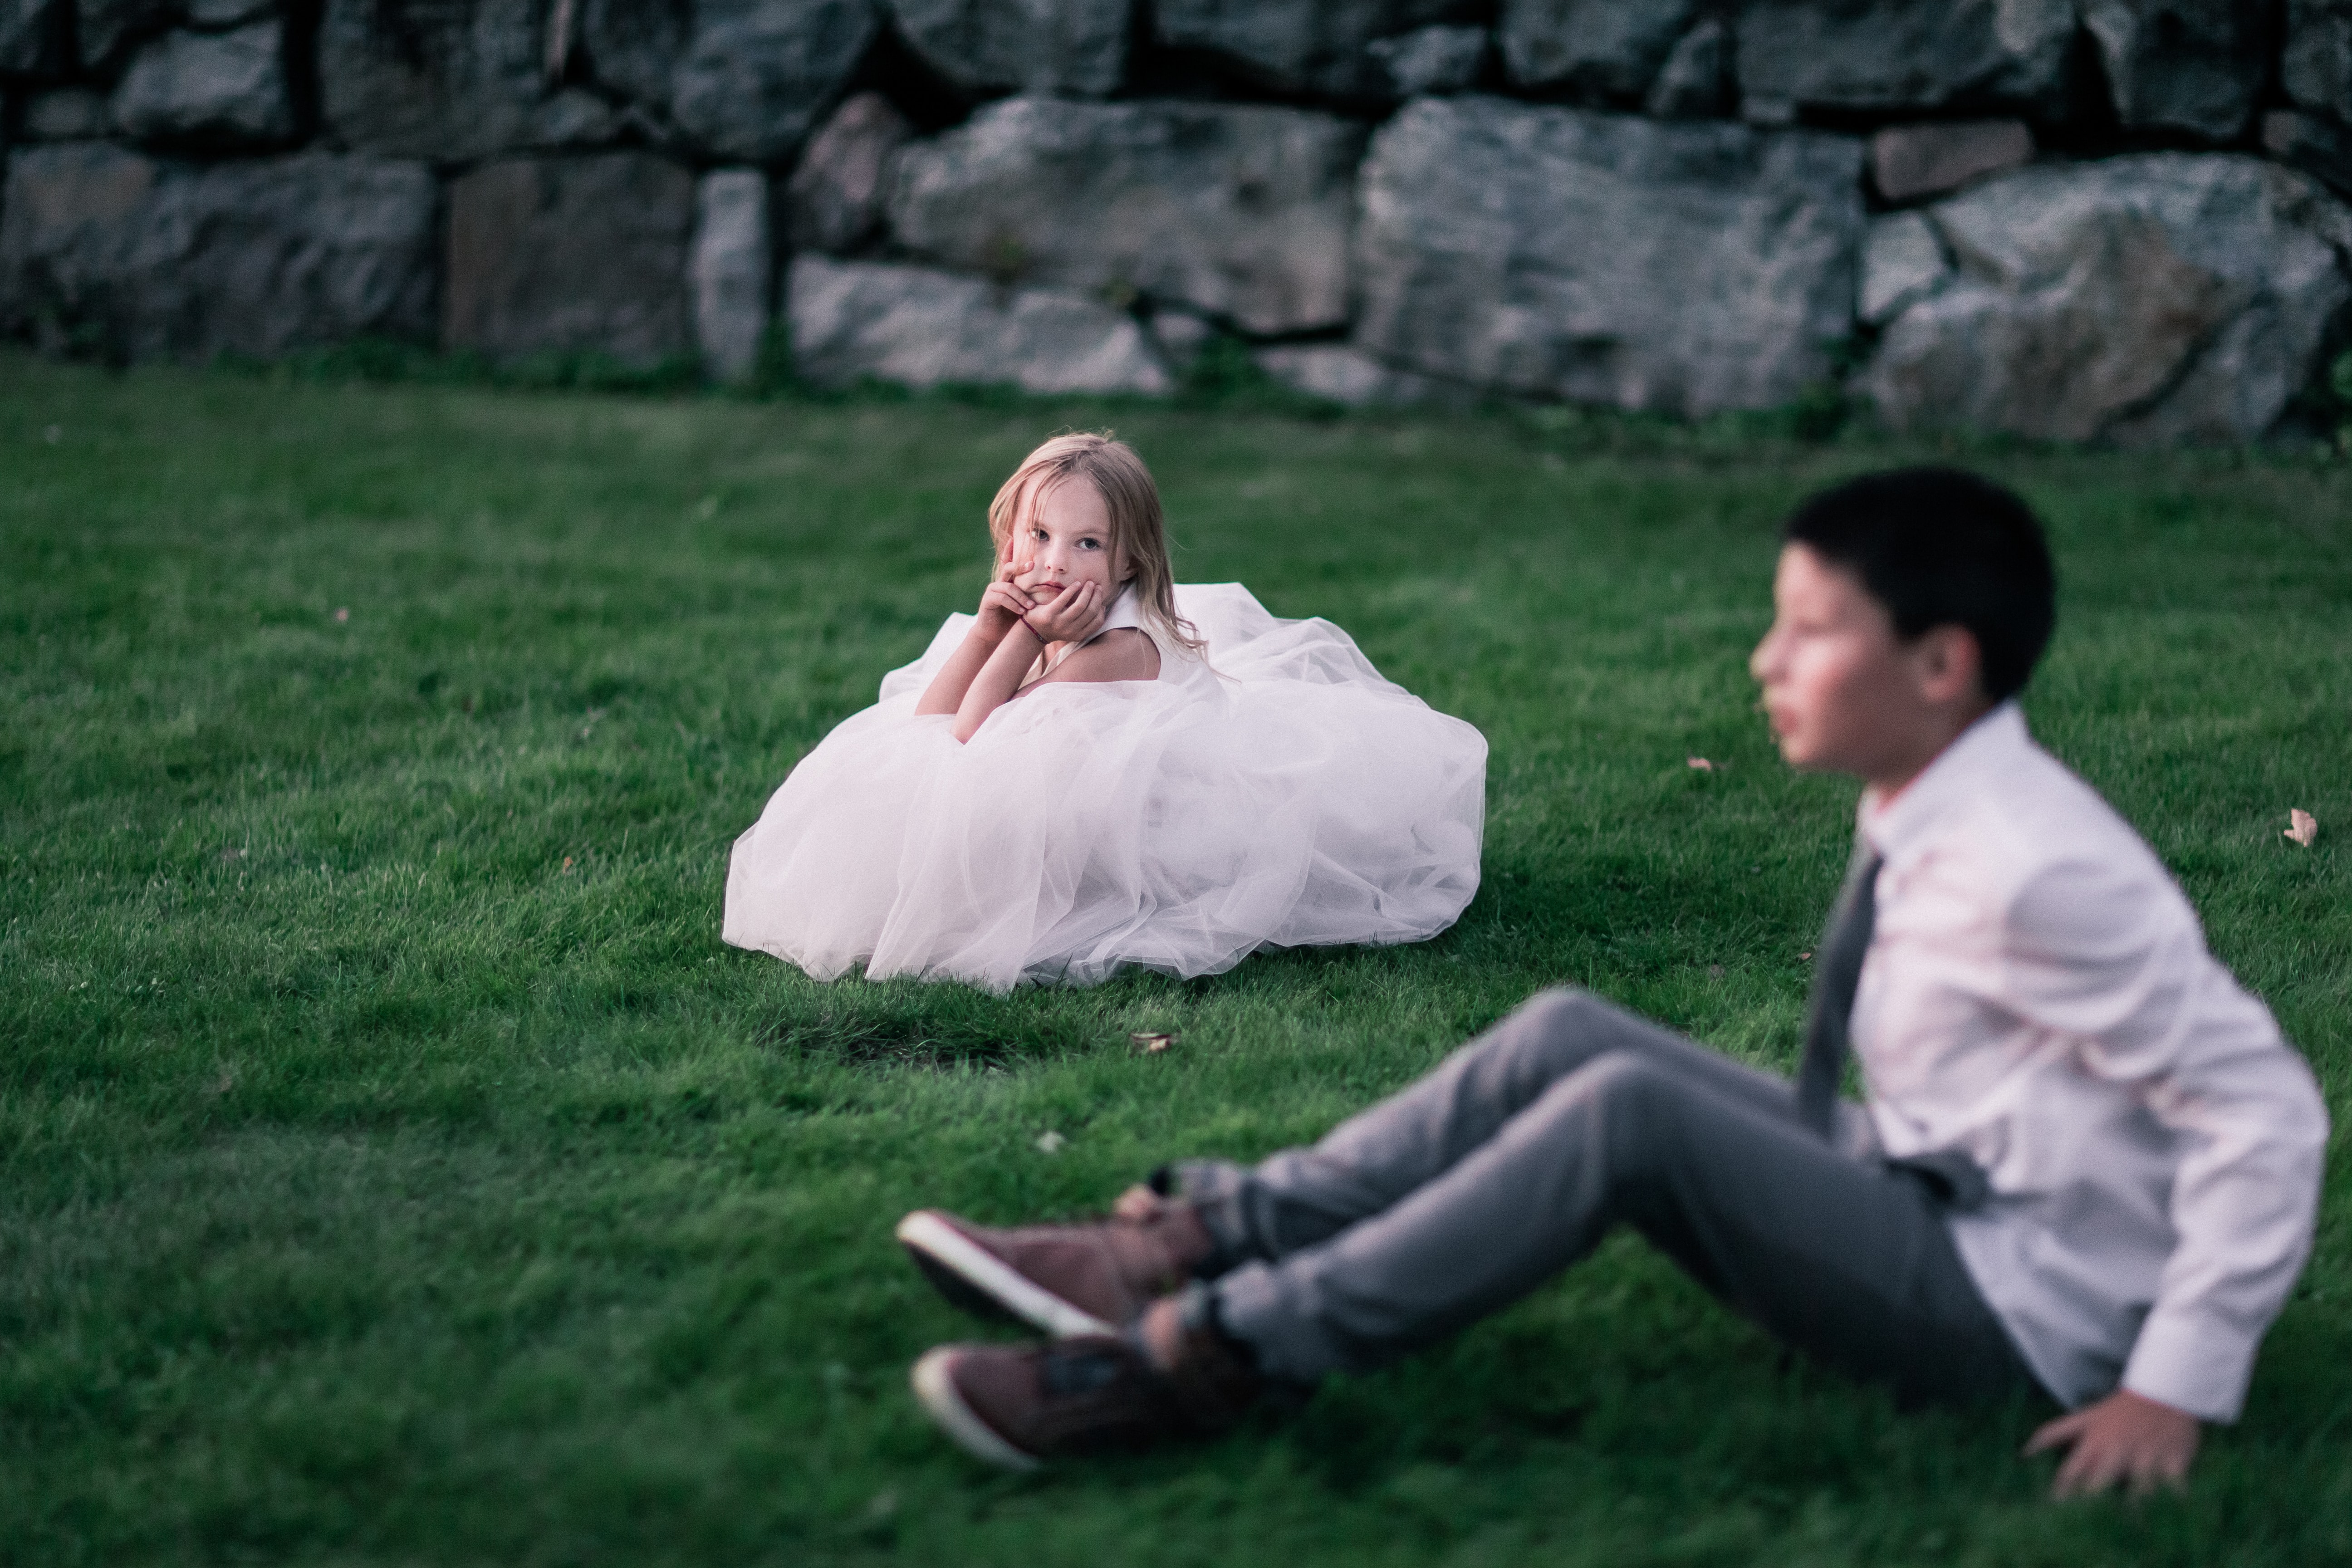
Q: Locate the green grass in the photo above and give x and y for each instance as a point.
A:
(398, 1169)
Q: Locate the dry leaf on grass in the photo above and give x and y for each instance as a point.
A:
(2302, 827)
(1151, 1043)
(1050, 1141)
(343, 614)
(1702, 764)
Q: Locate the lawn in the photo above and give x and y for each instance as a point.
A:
(399, 1170)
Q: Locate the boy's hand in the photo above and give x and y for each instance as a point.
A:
(1001, 607)
(1073, 615)
(2124, 1437)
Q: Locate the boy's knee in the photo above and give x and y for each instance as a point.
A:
(1626, 1106)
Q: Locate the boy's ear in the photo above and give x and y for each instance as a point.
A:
(1950, 665)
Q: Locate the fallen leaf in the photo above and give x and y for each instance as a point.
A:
(2302, 827)
(1806, 956)
(343, 613)
(1151, 1044)
(1702, 764)
(567, 862)
(1050, 1142)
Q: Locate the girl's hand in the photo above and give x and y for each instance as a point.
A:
(1000, 609)
(1073, 615)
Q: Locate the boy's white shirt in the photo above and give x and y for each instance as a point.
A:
(2038, 995)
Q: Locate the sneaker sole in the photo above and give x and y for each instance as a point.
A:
(970, 1276)
(934, 1385)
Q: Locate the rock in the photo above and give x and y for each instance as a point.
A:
(68, 114)
(212, 15)
(27, 37)
(1907, 162)
(102, 26)
(2314, 143)
(732, 267)
(570, 255)
(1695, 82)
(1181, 335)
(1903, 261)
(446, 79)
(1901, 55)
(1553, 252)
(1598, 48)
(216, 89)
(1431, 59)
(632, 45)
(2156, 297)
(2315, 67)
(1238, 212)
(906, 325)
(1342, 373)
(1305, 46)
(1071, 48)
(101, 247)
(2185, 64)
(834, 201)
(757, 74)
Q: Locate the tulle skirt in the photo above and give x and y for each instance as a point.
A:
(1279, 792)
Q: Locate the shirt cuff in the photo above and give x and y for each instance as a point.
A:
(2193, 1365)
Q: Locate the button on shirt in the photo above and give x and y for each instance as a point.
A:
(2038, 995)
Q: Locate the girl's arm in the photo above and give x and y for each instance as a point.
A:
(1072, 615)
(1000, 609)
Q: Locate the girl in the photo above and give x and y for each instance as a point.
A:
(1101, 768)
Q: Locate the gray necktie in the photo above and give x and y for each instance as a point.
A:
(1837, 969)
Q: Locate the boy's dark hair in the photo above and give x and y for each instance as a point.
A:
(1940, 547)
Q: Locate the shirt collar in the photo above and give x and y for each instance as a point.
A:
(1983, 750)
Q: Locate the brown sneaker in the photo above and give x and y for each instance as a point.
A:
(1016, 1406)
(1066, 1279)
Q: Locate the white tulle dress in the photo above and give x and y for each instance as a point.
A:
(1279, 792)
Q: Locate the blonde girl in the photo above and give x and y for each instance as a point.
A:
(1065, 782)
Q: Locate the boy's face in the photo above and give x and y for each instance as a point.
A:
(1844, 692)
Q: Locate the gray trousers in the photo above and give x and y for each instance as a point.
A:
(1464, 1192)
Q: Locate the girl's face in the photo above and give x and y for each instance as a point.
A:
(1067, 541)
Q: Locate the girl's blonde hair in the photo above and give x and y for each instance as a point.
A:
(1139, 539)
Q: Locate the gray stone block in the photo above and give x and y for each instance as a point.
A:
(1695, 82)
(1238, 212)
(1907, 162)
(26, 36)
(1600, 49)
(834, 202)
(2315, 144)
(2159, 298)
(68, 114)
(920, 328)
(756, 74)
(632, 45)
(731, 271)
(570, 255)
(1551, 252)
(102, 27)
(2316, 65)
(1903, 262)
(99, 246)
(1305, 46)
(1344, 373)
(215, 89)
(1074, 48)
(1433, 59)
(450, 80)
(2183, 65)
(1899, 55)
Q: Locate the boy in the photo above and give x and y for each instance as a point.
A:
(2086, 1161)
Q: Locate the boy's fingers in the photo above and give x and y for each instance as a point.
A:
(2051, 1434)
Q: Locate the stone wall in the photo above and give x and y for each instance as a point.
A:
(2069, 219)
